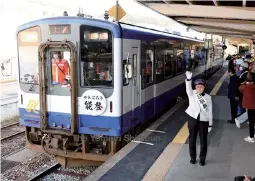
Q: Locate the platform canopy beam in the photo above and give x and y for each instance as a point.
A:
(221, 17)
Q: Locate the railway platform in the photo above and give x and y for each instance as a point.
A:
(161, 152)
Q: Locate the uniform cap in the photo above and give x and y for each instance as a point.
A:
(199, 82)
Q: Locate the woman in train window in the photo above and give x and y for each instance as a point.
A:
(201, 118)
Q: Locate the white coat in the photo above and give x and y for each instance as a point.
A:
(194, 106)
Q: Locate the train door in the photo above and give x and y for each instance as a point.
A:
(57, 91)
(135, 85)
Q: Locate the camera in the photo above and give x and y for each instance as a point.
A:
(239, 178)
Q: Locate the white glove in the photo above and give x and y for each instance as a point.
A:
(188, 74)
(209, 129)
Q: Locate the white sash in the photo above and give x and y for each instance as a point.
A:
(202, 102)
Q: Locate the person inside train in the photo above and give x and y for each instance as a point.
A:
(149, 71)
(60, 69)
(248, 102)
(201, 118)
(233, 94)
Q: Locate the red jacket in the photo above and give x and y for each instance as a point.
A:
(59, 70)
(248, 90)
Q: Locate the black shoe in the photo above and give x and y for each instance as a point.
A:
(230, 121)
(202, 163)
(193, 161)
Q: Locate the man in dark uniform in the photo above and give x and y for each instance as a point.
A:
(233, 94)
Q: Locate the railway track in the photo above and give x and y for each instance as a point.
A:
(11, 130)
(13, 135)
(9, 125)
(56, 172)
(12, 138)
(45, 172)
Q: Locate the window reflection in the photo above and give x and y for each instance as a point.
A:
(180, 61)
(149, 66)
(168, 62)
(96, 57)
(28, 43)
(60, 68)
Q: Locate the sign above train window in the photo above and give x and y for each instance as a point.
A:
(93, 102)
(59, 29)
(208, 44)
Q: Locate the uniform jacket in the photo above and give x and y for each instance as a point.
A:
(194, 106)
(233, 86)
(230, 65)
(60, 70)
(248, 91)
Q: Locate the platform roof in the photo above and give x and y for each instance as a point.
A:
(221, 17)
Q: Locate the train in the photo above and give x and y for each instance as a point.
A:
(85, 83)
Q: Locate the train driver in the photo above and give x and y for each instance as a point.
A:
(60, 69)
(201, 118)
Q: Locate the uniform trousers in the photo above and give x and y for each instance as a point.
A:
(196, 126)
(251, 117)
(233, 106)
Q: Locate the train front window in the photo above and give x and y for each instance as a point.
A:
(28, 43)
(96, 57)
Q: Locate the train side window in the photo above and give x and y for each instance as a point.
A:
(135, 68)
(181, 64)
(147, 65)
(134, 65)
(187, 57)
(60, 68)
(96, 57)
(169, 63)
(159, 68)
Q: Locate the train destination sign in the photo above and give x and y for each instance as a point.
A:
(94, 102)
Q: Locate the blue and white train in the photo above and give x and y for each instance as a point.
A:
(92, 81)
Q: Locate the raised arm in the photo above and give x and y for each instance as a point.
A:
(189, 90)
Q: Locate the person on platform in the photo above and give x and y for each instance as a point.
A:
(242, 113)
(248, 102)
(201, 118)
(233, 94)
(231, 64)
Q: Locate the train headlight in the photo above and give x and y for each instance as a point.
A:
(94, 36)
(103, 36)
